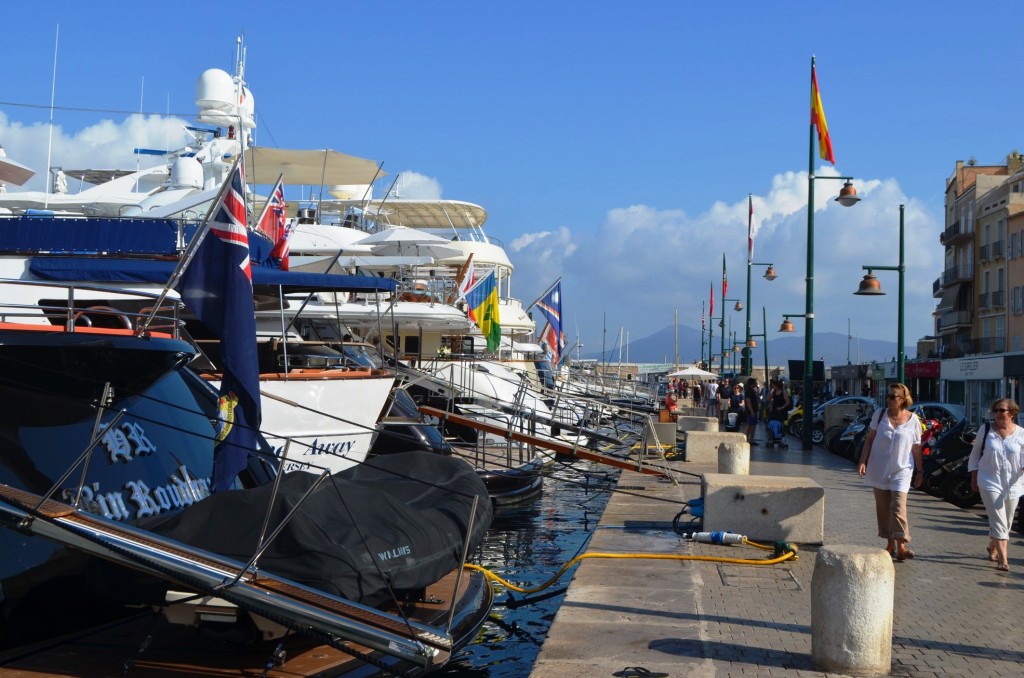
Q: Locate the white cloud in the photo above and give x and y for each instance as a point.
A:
(642, 264)
(416, 186)
(103, 145)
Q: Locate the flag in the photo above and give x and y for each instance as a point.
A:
(711, 304)
(750, 230)
(217, 287)
(550, 307)
(279, 254)
(818, 120)
(468, 279)
(482, 301)
(272, 221)
(725, 281)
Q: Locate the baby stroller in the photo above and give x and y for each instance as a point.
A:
(732, 422)
(776, 435)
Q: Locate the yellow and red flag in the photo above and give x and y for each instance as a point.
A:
(818, 120)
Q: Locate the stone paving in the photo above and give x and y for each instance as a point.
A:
(954, 614)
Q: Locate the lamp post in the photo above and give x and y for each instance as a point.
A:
(870, 286)
(721, 325)
(751, 344)
(748, 358)
(847, 198)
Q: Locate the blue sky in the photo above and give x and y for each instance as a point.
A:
(614, 144)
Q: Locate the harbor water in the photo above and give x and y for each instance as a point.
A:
(527, 545)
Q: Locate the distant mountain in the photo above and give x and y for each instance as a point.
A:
(832, 346)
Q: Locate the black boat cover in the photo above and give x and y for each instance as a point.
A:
(397, 521)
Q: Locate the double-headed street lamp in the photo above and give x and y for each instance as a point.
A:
(747, 366)
(870, 286)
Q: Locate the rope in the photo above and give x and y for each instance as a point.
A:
(783, 551)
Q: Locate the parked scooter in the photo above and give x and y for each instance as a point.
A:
(944, 453)
(846, 441)
(956, 487)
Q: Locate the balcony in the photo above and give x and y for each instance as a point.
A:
(999, 298)
(957, 274)
(954, 234)
(983, 299)
(950, 321)
(992, 251)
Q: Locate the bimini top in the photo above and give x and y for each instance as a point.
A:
(419, 213)
(121, 270)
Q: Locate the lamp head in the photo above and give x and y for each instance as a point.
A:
(848, 195)
(870, 286)
(738, 307)
(786, 326)
(751, 343)
(770, 273)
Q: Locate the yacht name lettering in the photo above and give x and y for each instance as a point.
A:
(126, 442)
(316, 448)
(183, 489)
(396, 552)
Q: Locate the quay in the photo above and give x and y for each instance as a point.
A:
(954, 614)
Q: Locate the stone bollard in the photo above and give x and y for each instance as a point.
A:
(852, 593)
(734, 458)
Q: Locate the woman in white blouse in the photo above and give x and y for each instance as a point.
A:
(889, 461)
(996, 465)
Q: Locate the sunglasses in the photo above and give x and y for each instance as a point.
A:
(1000, 409)
(892, 396)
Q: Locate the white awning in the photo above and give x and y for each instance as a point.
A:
(312, 168)
(418, 213)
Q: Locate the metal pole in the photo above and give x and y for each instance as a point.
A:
(901, 361)
(764, 326)
(748, 358)
(807, 397)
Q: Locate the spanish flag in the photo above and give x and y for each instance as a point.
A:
(482, 299)
(818, 120)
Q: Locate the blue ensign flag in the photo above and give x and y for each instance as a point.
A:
(217, 287)
(550, 307)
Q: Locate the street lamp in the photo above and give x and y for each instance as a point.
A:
(870, 286)
(751, 344)
(747, 366)
(721, 325)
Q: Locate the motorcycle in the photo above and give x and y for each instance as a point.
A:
(846, 441)
(944, 453)
(795, 426)
(956, 487)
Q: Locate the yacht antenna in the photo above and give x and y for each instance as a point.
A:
(49, 145)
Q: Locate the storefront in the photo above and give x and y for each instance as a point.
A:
(976, 383)
(923, 379)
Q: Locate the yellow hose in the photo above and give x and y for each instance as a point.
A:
(643, 556)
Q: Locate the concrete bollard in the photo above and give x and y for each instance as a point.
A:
(852, 593)
(694, 423)
(734, 458)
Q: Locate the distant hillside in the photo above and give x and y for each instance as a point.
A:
(832, 346)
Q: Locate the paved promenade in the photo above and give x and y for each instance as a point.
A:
(955, 615)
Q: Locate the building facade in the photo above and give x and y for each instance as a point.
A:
(979, 318)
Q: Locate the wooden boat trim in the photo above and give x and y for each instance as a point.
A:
(556, 445)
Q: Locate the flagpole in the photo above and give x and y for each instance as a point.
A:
(190, 251)
(537, 300)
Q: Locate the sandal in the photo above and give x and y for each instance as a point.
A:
(639, 672)
(905, 554)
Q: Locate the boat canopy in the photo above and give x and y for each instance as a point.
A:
(437, 214)
(119, 270)
(263, 165)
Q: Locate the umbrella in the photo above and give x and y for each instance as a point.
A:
(694, 372)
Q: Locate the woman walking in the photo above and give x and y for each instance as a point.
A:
(889, 461)
(997, 473)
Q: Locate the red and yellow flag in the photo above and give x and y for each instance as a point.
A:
(818, 120)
